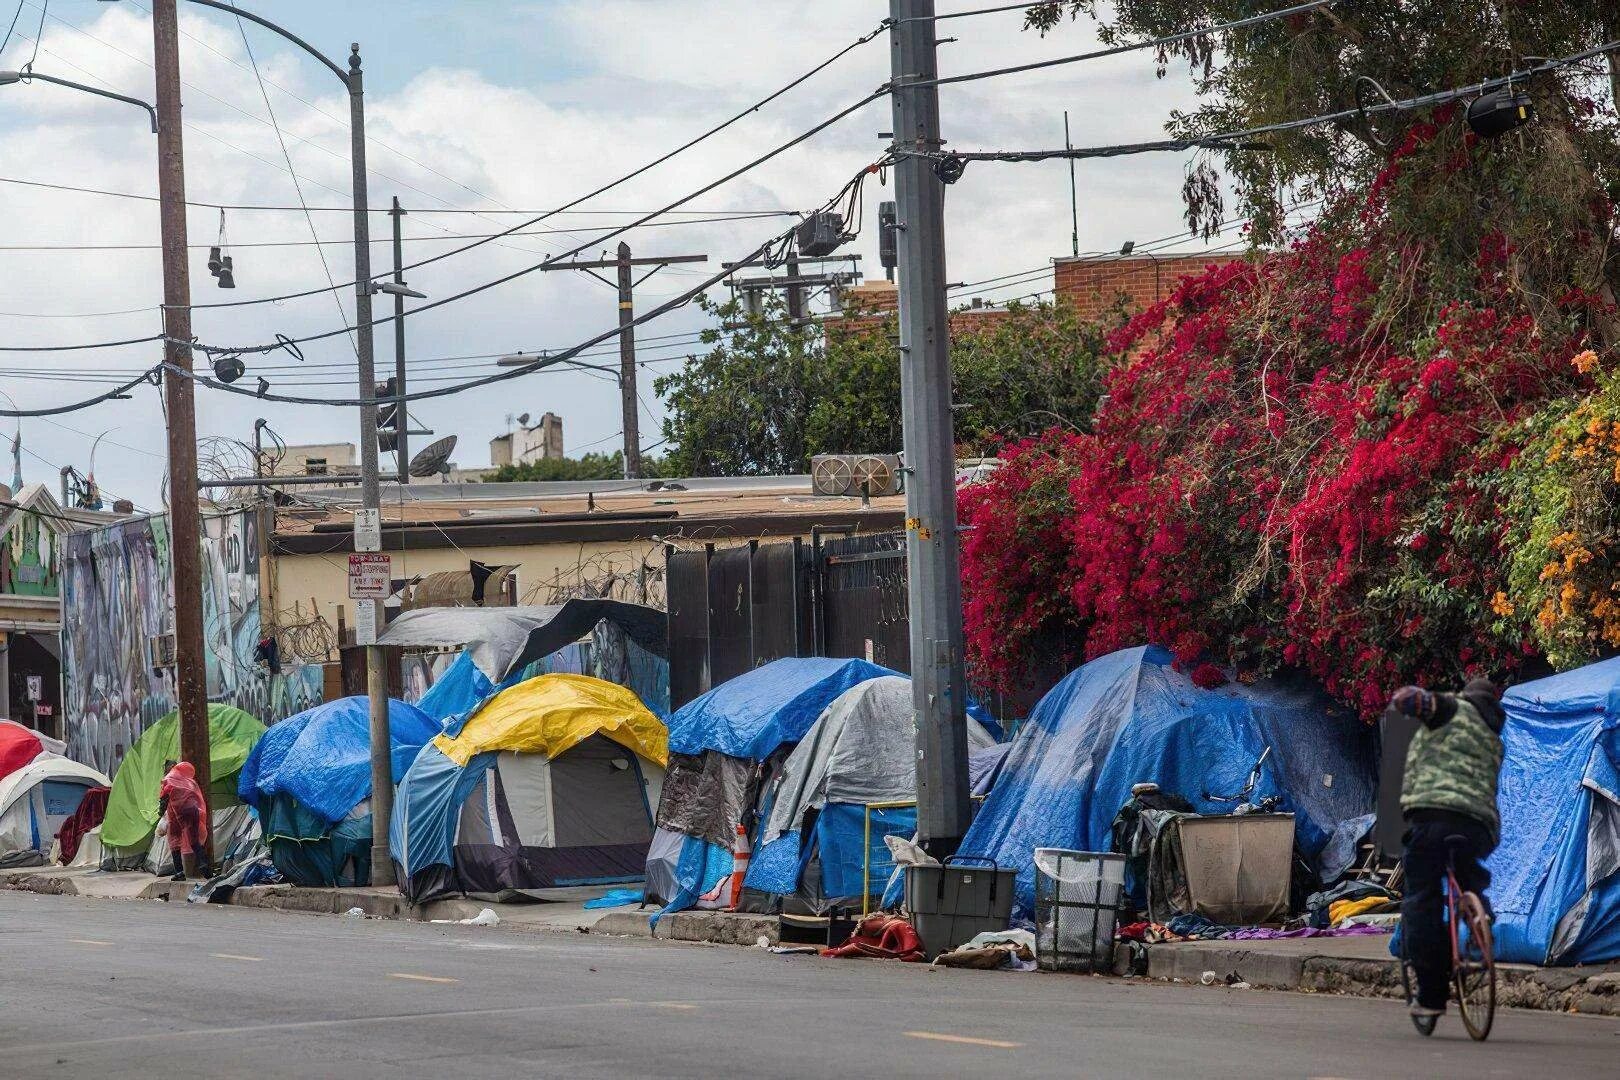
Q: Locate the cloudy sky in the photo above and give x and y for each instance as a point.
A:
(491, 106)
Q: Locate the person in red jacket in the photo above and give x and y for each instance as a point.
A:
(185, 817)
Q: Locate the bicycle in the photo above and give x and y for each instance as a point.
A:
(1473, 965)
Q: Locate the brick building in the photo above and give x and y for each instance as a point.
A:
(1099, 285)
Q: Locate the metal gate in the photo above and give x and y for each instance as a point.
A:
(861, 599)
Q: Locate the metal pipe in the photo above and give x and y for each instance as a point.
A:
(29, 75)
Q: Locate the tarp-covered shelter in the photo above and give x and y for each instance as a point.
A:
(722, 746)
(20, 745)
(500, 643)
(1130, 717)
(1555, 882)
(310, 780)
(861, 751)
(549, 783)
(132, 808)
(35, 800)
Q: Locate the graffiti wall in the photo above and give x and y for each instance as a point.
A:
(28, 557)
(116, 598)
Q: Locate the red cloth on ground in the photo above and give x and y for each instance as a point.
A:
(92, 808)
(18, 746)
(187, 810)
(881, 937)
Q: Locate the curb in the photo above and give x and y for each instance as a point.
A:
(714, 927)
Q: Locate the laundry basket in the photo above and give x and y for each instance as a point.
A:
(1077, 896)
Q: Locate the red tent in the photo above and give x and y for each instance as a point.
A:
(18, 746)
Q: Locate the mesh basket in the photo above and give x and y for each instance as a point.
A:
(1077, 897)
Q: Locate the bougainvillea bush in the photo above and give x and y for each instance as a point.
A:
(1385, 451)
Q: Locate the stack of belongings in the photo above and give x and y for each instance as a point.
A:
(129, 830)
(823, 842)
(40, 792)
(309, 778)
(1132, 717)
(548, 784)
(1354, 902)
(726, 747)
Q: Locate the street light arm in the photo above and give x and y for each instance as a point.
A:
(28, 76)
(274, 29)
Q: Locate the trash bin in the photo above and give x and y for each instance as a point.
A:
(1077, 897)
(952, 904)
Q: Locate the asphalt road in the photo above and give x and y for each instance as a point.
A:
(96, 988)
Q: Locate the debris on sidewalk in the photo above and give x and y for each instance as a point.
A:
(486, 917)
(881, 936)
(617, 898)
(994, 950)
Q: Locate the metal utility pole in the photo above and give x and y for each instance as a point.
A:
(1074, 192)
(939, 685)
(185, 512)
(402, 418)
(626, 284)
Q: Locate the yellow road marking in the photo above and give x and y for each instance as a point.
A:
(234, 956)
(87, 941)
(939, 1037)
(421, 978)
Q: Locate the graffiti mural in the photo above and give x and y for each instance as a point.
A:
(28, 557)
(117, 597)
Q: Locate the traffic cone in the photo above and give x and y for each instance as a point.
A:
(739, 865)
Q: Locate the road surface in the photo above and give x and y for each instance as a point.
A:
(97, 988)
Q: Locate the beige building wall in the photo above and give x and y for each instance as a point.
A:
(333, 458)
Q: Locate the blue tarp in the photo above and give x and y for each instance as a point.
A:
(1556, 874)
(458, 690)
(1130, 717)
(422, 831)
(322, 756)
(753, 714)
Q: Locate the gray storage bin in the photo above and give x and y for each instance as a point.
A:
(954, 903)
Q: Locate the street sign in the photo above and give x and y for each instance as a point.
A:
(369, 575)
(36, 687)
(42, 709)
(367, 530)
(365, 622)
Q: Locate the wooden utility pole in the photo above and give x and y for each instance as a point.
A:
(626, 285)
(185, 515)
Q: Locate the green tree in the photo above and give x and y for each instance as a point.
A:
(769, 396)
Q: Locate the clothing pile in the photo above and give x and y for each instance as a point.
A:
(1194, 927)
(1354, 903)
(992, 951)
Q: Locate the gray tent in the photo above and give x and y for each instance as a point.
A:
(504, 640)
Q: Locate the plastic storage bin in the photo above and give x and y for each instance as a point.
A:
(1077, 897)
(952, 904)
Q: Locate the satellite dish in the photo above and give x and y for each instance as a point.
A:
(524, 419)
(434, 458)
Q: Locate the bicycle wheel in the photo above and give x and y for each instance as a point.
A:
(1474, 970)
(1424, 1024)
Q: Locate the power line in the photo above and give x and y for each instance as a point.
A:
(15, 15)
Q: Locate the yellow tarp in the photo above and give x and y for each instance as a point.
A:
(551, 714)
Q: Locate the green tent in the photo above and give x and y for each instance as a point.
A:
(132, 807)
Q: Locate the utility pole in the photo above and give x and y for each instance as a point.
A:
(626, 285)
(933, 553)
(1074, 192)
(402, 419)
(185, 513)
(630, 410)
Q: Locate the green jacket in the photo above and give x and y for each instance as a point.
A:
(1453, 764)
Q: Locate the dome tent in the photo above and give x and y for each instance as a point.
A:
(132, 809)
(310, 780)
(548, 783)
(35, 800)
(816, 845)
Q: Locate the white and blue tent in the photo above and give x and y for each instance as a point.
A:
(1556, 874)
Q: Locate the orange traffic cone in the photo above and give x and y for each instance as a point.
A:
(739, 865)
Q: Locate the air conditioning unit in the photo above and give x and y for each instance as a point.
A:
(855, 474)
(162, 650)
(820, 234)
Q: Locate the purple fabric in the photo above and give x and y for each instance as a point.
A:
(1266, 933)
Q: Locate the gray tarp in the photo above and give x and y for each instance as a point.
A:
(862, 749)
(503, 640)
(706, 795)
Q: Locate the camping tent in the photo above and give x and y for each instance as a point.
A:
(1131, 717)
(861, 751)
(18, 746)
(35, 800)
(722, 745)
(310, 780)
(1556, 873)
(534, 790)
(501, 643)
(132, 808)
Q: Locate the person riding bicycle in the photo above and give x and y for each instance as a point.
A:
(1449, 792)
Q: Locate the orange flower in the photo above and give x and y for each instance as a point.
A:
(1501, 604)
(1584, 362)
